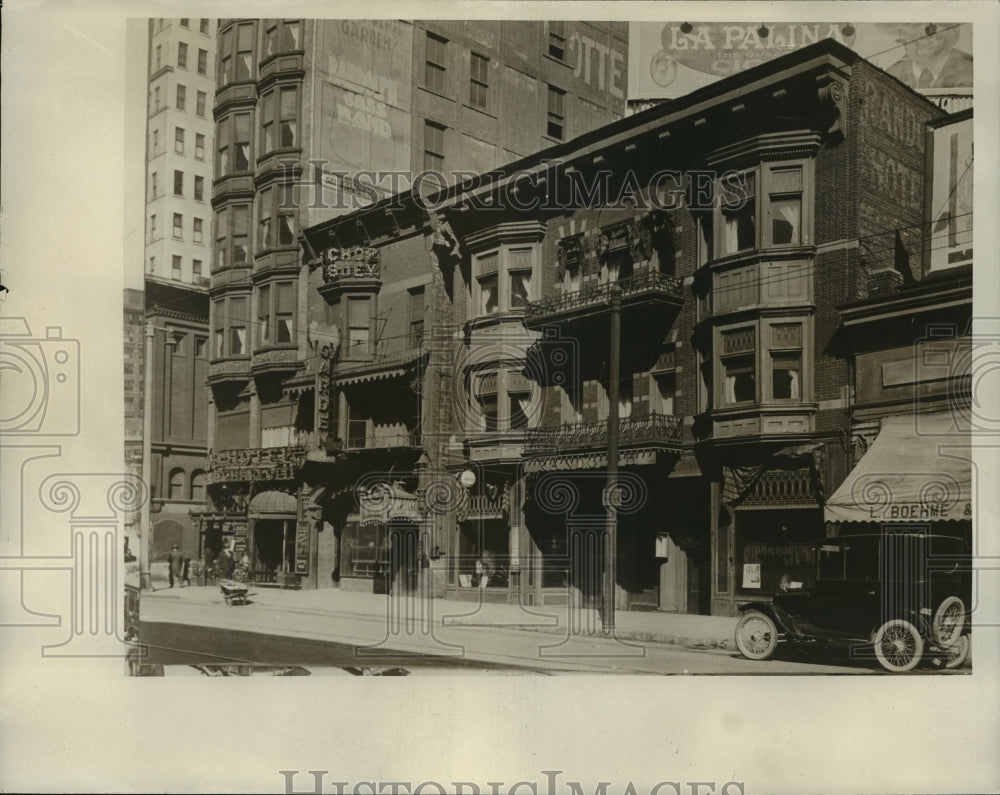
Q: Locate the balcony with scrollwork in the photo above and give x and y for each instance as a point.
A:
(583, 445)
(355, 269)
(646, 289)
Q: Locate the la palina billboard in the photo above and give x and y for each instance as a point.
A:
(671, 59)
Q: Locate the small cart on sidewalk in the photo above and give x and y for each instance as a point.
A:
(235, 593)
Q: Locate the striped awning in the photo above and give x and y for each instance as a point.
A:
(378, 375)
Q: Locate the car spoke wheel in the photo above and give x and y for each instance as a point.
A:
(756, 635)
(949, 619)
(898, 646)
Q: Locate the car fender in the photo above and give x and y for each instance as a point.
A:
(781, 619)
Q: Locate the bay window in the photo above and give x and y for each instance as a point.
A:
(233, 144)
(786, 361)
(232, 227)
(236, 54)
(503, 400)
(760, 208)
(281, 36)
(275, 218)
(739, 368)
(229, 326)
(503, 280)
(276, 314)
(279, 119)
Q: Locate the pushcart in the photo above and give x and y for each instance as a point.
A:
(235, 593)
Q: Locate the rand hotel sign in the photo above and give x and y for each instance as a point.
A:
(670, 59)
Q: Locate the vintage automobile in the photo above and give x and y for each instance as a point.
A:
(899, 596)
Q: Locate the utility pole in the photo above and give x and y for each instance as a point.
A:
(145, 580)
(611, 491)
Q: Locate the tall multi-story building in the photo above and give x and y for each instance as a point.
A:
(734, 232)
(180, 134)
(315, 118)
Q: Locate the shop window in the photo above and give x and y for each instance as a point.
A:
(232, 227)
(176, 484)
(479, 80)
(363, 547)
(435, 64)
(484, 554)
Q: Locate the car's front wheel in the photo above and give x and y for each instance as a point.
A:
(756, 635)
(949, 618)
(898, 646)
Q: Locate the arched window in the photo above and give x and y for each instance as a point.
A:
(176, 484)
(198, 486)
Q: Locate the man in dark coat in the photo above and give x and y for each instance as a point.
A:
(931, 61)
(175, 562)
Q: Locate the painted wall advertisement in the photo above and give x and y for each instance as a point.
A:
(950, 234)
(670, 59)
(363, 99)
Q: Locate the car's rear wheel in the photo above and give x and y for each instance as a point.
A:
(898, 646)
(958, 653)
(949, 618)
(756, 635)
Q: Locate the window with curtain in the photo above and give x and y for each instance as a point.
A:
(284, 312)
(786, 361)
(264, 314)
(237, 326)
(786, 206)
(739, 217)
(739, 370)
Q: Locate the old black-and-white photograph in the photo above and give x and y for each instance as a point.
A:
(537, 356)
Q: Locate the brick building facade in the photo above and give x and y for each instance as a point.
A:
(799, 180)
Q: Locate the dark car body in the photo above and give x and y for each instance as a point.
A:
(898, 594)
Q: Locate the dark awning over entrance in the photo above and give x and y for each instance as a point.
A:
(273, 503)
(917, 470)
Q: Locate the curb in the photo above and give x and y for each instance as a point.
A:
(643, 636)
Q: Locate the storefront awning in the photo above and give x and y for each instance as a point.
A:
(273, 503)
(593, 460)
(917, 470)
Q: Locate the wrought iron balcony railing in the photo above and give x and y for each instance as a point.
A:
(646, 429)
(596, 296)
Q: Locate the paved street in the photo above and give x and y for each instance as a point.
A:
(353, 631)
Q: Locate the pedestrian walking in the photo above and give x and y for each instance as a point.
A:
(175, 563)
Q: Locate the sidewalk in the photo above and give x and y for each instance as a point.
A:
(313, 609)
